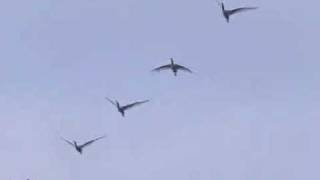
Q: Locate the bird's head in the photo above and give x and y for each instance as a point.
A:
(220, 3)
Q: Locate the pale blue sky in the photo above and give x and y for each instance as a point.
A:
(250, 112)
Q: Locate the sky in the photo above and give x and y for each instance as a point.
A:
(250, 110)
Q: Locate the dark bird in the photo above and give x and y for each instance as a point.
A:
(173, 66)
(79, 148)
(228, 13)
(122, 109)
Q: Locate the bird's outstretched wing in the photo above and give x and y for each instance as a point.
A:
(183, 68)
(168, 66)
(112, 102)
(70, 143)
(238, 10)
(134, 104)
(91, 141)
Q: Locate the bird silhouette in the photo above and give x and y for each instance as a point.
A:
(78, 147)
(173, 66)
(122, 109)
(227, 13)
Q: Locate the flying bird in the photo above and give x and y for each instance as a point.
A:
(173, 66)
(228, 13)
(122, 109)
(78, 147)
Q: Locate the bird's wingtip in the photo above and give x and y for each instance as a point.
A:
(104, 136)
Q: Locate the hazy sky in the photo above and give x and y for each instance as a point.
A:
(250, 112)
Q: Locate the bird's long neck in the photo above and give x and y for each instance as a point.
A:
(172, 62)
(75, 143)
(222, 6)
(118, 105)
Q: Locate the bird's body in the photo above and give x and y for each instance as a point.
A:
(79, 148)
(173, 66)
(228, 13)
(122, 109)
